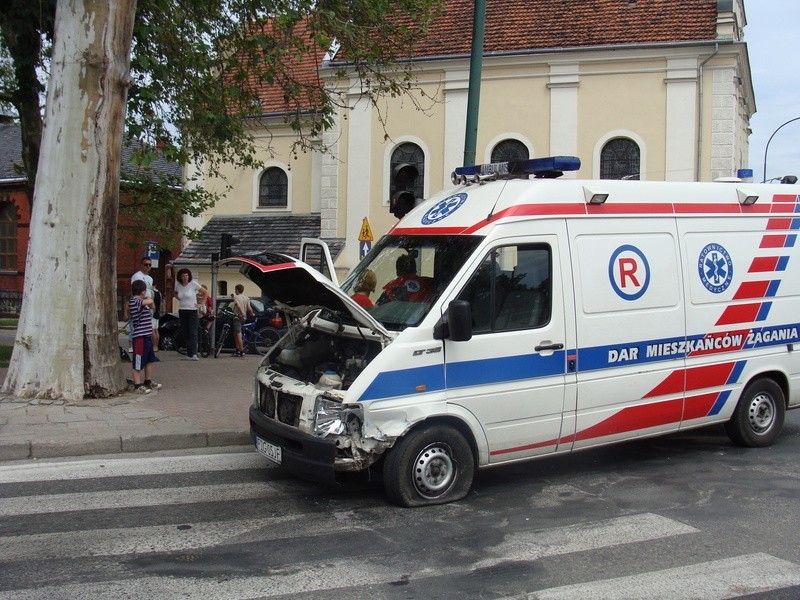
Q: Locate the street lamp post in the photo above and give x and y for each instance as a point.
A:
(769, 140)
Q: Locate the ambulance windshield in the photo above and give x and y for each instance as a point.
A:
(404, 275)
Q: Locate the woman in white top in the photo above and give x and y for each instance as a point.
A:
(186, 292)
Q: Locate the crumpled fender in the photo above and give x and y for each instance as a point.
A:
(383, 426)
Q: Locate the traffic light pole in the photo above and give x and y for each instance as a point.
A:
(214, 267)
(226, 240)
(474, 94)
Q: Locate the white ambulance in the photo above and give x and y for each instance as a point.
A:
(520, 315)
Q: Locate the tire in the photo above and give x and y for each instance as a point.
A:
(431, 465)
(167, 342)
(264, 339)
(759, 415)
(221, 342)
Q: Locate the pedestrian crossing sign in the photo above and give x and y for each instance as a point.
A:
(365, 235)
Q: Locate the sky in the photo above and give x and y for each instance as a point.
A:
(773, 43)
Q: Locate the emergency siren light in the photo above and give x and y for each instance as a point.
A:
(541, 168)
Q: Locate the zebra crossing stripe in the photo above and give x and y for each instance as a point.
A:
(309, 579)
(730, 577)
(717, 579)
(339, 573)
(57, 503)
(163, 538)
(194, 536)
(531, 545)
(127, 467)
(133, 540)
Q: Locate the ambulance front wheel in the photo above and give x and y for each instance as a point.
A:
(430, 465)
(758, 418)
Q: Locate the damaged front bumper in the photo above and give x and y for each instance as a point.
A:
(309, 431)
(303, 455)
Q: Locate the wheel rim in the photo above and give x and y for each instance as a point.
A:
(761, 413)
(434, 470)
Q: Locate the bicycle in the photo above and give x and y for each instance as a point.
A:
(256, 341)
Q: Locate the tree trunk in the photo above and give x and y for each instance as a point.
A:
(66, 343)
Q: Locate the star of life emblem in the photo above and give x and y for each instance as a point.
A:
(715, 268)
(443, 209)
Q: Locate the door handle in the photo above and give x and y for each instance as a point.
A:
(548, 347)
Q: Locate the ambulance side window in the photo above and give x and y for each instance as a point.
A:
(511, 289)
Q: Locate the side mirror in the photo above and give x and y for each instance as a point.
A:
(456, 324)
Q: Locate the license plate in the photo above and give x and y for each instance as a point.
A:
(271, 451)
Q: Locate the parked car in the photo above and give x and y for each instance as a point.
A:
(169, 328)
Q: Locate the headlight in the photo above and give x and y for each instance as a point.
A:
(332, 418)
(328, 418)
(256, 389)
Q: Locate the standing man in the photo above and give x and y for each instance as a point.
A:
(241, 309)
(144, 275)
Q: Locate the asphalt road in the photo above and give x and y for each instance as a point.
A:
(687, 516)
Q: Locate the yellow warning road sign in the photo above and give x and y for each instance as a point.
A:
(365, 235)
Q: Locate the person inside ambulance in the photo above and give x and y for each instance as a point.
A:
(366, 284)
(407, 286)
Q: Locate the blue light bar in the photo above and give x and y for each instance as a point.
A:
(552, 166)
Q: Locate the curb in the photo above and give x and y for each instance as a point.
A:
(35, 449)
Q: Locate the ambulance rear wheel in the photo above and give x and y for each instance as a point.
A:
(430, 465)
(758, 418)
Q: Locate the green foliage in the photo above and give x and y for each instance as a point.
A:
(155, 205)
(26, 31)
(197, 75)
(198, 69)
(6, 80)
(5, 356)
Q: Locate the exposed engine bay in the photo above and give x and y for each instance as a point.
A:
(302, 382)
(320, 349)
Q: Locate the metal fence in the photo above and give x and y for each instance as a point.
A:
(10, 304)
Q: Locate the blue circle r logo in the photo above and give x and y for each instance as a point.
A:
(629, 272)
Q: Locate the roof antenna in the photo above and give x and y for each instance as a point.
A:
(490, 216)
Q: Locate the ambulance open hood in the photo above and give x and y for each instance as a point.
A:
(296, 285)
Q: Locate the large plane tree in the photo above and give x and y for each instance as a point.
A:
(179, 75)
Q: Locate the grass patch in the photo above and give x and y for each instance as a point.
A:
(9, 322)
(5, 356)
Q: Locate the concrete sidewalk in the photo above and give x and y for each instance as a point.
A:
(201, 404)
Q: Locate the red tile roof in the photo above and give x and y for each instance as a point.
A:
(294, 71)
(522, 25)
(518, 25)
